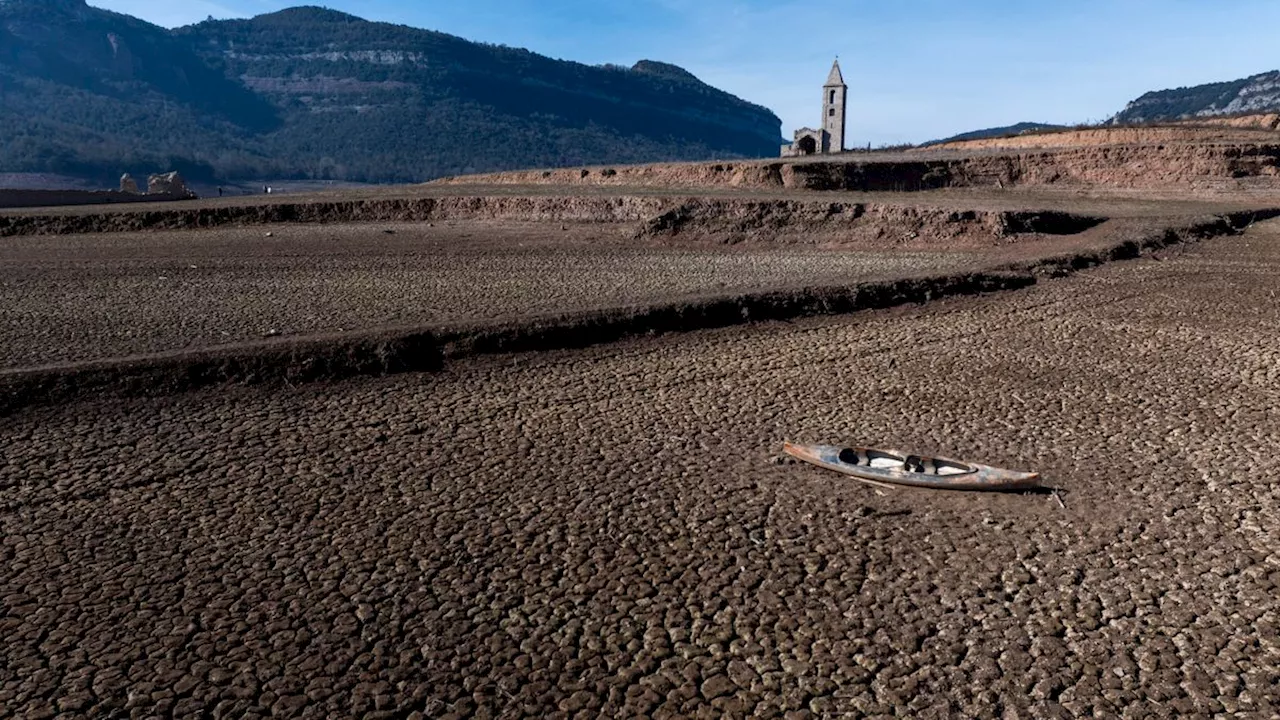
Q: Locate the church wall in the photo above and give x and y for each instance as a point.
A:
(831, 137)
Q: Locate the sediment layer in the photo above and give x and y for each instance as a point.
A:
(856, 224)
(427, 209)
(848, 222)
(1201, 131)
(1150, 166)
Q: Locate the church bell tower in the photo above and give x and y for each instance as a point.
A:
(834, 106)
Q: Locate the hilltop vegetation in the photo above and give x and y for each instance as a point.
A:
(1260, 93)
(1022, 128)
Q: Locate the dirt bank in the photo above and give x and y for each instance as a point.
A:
(1263, 121)
(820, 220)
(1129, 167)
(353, 354)
(1230, 131)
(426, 209)
(1111, 166)
(855, 224)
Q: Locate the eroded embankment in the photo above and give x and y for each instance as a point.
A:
(658, 218)
(1244, 130)
(1140, 167)
(816, 221)
(550, 208)
(425, 349)
(1121, 167)
(854, 224)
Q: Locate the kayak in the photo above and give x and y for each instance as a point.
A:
(898, 468)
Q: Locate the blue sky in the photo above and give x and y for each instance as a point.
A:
(917, 69)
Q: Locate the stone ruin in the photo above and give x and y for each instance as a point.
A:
(170, 185)
(828, 137)
(167, 184)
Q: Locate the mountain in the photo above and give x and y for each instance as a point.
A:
(313, 93)
(86, 92)
(1021, 128)
(1259, 93)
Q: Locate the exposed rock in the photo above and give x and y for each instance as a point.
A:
(128, 184)
(1257, 94)
(167, 184)
(121, 56)
(653, 67)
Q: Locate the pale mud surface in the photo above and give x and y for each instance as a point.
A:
(91, 297)
(603, 532)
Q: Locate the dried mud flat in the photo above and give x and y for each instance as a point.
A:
(602, 532)
(93, 297)
(234, 275)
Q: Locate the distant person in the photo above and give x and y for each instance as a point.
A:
(219, 191)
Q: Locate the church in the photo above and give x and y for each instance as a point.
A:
(830, 138)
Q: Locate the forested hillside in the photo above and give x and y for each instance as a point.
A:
(1259, 93)
(313, 93)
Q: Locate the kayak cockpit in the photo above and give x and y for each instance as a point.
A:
(882, 460)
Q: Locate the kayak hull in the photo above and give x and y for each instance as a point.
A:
(898, 468)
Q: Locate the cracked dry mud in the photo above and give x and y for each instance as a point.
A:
(603, 532)
(110, 295)
(91, 297)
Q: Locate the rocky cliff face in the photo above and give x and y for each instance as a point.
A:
(388, 89)
(1260, 93)
(314, 93)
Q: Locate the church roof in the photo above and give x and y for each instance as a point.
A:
(836, 77)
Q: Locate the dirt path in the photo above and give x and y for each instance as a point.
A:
(603, 531)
